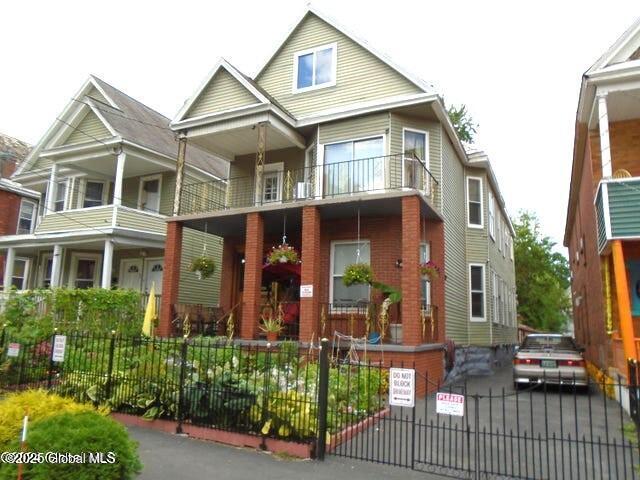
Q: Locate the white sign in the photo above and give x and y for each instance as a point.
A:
(450, 404)
(402, 387)
(13, 350)
(306, 291)
(59, 345)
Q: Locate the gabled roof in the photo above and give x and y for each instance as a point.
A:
(130, 120)
(426, 87)
(621, 50)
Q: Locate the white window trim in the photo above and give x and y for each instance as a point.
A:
(494, 297)
(156, 176)
(499, 232)
(34, 214)
(427, 247)
(27, 268)
(511, 247)
(484, 294)
(313, 86)
(83, 192)
(277, 167)
(67, 196)
(469, 224)
(426, 160)
(492, 217)
(75, 257)
(43, 269)
(331, 262)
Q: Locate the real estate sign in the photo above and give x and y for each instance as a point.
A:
(402, 387)
(450, 404)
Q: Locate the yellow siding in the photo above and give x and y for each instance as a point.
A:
(89, 129)
(192, 290)
(360, 127)
(223, 92)
(131, 190)
(138, 220)
(360, 75)
(99, 217)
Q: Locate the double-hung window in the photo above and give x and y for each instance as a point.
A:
(425, 285)
(492, 216)
(474, 201)
(26, 217)
(94, 193)
(19, 276)
(314, 68)
(494, 288)
(476, 292)
(61, 197)
(344, 253)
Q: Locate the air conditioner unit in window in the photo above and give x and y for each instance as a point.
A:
(303, 190)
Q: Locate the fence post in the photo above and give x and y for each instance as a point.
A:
(112, 347)
(183, 372)
(265, 393)
(323, 392)
(50, 372)
(476, 436)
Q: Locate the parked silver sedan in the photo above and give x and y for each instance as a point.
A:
(549, 358)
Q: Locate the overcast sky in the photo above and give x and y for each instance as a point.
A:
(516, 65)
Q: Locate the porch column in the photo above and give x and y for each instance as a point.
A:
(117, 187)
(624, 302)
(52, 190)
(253, 256)
(8, 268)
(107, 264)
(182, 152)
(261, 148)
(170, 277)
(410, 281)
(605, 143)
(56, 266)
(310, 274)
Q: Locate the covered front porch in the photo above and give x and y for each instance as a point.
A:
(393, 233)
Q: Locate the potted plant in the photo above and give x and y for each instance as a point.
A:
(357, 274)
(203, 267)
(283, 254)
(430, 270)
(272, 324)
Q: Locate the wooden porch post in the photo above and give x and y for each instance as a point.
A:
(261, 148)
(624, 303)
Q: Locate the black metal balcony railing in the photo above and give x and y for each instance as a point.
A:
(367, 175)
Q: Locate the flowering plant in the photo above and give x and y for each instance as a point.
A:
(357, 274)
(283, 254)
(430, 270)
(203, 267)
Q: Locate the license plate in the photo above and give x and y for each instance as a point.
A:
(548, 363)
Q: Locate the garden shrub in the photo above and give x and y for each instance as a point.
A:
(77, 433)
(38, 404)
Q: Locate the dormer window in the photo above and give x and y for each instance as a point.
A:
(314, 68)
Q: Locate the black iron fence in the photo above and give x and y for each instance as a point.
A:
(366, 175)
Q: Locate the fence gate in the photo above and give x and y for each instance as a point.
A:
(546, 432)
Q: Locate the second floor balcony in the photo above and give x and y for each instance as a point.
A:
(273, 184)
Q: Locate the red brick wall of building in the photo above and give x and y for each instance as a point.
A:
(10, 207)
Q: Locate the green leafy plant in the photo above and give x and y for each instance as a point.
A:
(203, 267)
(462, 122)
(78, 433)
(272, 322)
(357, 274)
(283, 254)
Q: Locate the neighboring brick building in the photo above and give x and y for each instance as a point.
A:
(339, 153)
(15, 200)
(603, 218)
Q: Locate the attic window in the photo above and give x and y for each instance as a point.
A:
(314, 68)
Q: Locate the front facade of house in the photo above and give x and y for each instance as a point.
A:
(603, 219)
(105, 174)
(339, 153)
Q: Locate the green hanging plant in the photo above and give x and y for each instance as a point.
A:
(203, 267)
(357, 274)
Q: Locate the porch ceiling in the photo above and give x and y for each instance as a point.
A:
(232, 223)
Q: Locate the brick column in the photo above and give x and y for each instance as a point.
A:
(253, 258)
(170, 277)
(410, 281)
(309, 307)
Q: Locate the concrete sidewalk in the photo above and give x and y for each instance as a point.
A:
(168, 457)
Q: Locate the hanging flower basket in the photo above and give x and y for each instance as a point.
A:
(283, 254)
(430, 270)
(357, 274)
(203, 267)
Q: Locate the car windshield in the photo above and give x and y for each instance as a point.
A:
(550, 342)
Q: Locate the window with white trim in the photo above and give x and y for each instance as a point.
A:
(61, 197)
(476, 292)
(474, 202)
(511, 248)
(94, 193)
(492, 216)
(26, 217)
(47, 269)
(494, 294)
(425, 285)
(20, 271)
(499, 232)
(345, 253)
(506, 239)
(314, 68)
(149, 194)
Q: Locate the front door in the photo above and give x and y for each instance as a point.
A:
(153, 274)
(131, 276)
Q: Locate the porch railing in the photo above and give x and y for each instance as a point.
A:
(335, 179)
